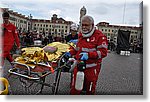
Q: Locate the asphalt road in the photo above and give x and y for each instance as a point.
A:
(120, 75)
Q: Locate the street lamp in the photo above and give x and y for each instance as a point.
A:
(30, 20)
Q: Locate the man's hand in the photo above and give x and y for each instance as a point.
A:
(84, 56)
(18, 47)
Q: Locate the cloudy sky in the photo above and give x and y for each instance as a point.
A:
(111, 11)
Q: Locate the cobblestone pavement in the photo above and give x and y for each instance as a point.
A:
(119, 75)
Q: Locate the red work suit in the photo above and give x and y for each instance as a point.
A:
(9, 37)
(96, 47)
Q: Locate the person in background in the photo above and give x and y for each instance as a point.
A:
(58, 38)
(73, 36)
(9, 37)
(91, 48)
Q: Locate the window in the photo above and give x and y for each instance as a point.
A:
(108, 34)
(12, 18)
(21, 21)
(25, 22)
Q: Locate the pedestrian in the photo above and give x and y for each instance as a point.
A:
(9, 37)
(91, 48)
(57, 38)
(50, 37)
(27, 39)
(73, 33)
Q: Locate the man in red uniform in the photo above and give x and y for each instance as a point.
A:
(91, 48)
(9, 37)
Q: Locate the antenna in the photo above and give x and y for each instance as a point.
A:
(124, 12)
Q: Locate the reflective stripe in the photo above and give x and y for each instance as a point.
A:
(88, 50)
(91, 65)
(99, 54)
(95, 71)
(102, 46)
(91, 86)
(72, 79)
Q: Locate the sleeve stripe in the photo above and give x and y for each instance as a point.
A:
(88, 50)
(99, 54)
(102, 46)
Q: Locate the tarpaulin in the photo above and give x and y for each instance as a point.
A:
(123, 40)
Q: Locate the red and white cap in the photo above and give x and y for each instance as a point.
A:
(74, 26)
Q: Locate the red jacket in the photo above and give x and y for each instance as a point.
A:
(9, 37)
(95, 46)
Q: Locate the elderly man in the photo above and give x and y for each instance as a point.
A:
(91, 48)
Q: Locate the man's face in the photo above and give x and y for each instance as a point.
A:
(73, 32)
(86, 26)
(6, 19)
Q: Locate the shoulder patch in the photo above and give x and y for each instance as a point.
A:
(103, 38)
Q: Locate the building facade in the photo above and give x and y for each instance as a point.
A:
(111, 31)
(19, 20)
(55, 26)
(60, 27)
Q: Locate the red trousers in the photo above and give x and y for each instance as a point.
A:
(6, 54)
(90, 80)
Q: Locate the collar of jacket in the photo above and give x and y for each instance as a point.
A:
(88, 34)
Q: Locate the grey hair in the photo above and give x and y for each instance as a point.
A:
(89, 18)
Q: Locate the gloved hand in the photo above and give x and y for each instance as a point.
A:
(84, 56)
(67, 54)
(74, 41)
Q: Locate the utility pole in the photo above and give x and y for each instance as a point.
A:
(124, 10)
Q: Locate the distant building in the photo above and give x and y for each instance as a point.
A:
(55, 26)
(82, 12)
(19, 20)
(60, 27)
(111, 31)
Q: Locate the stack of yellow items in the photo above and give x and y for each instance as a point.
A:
(35, 55)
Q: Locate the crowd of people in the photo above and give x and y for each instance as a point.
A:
(135, 47)
(27, 38)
